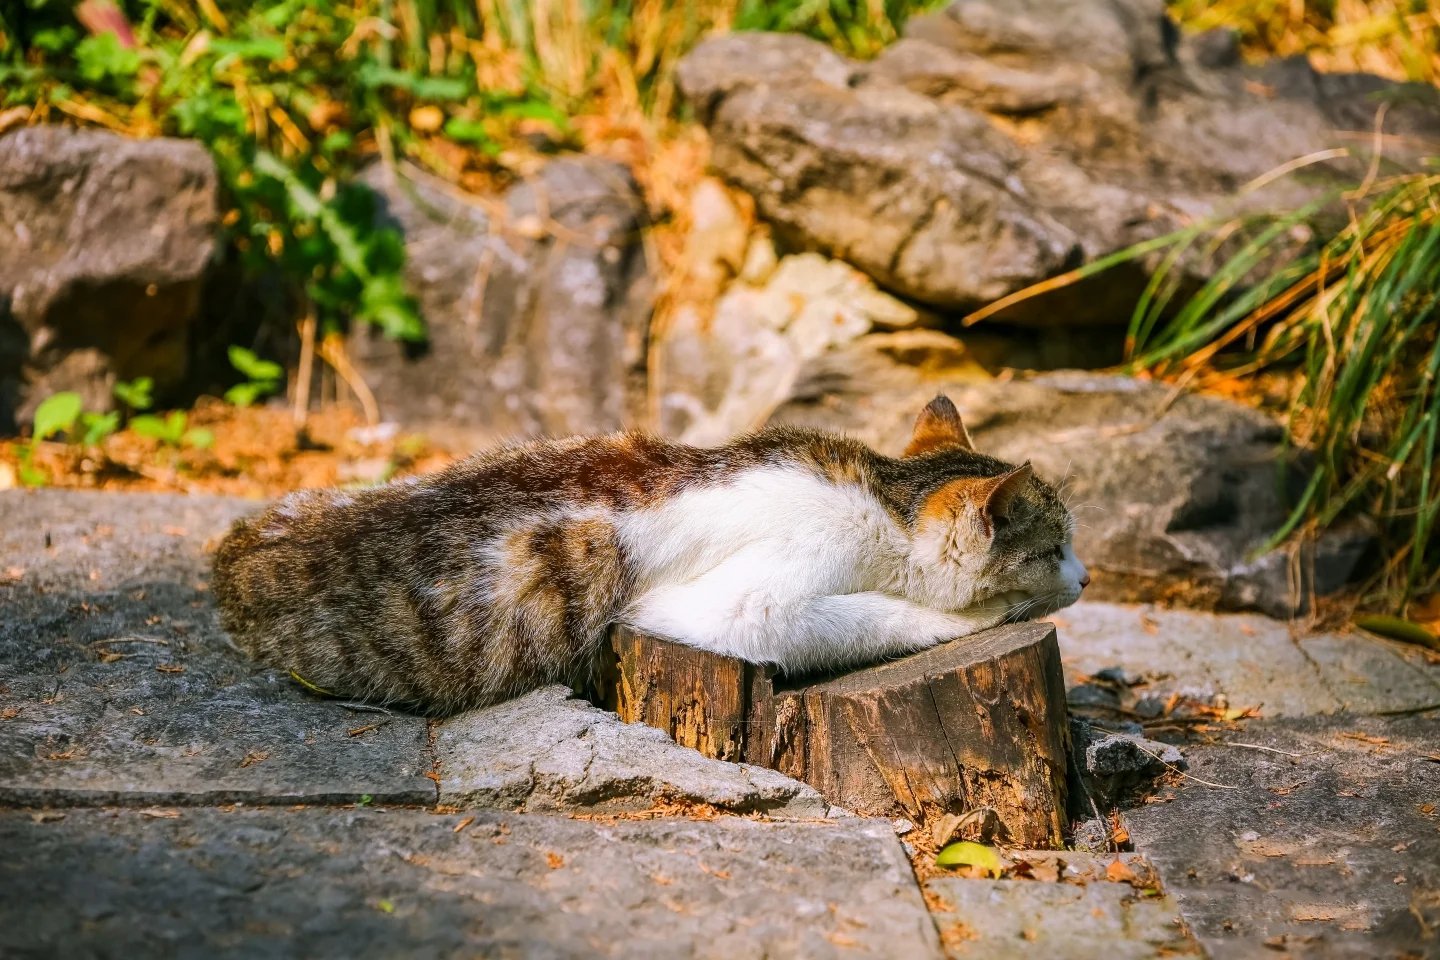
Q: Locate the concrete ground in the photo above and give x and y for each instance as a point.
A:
(161, 797)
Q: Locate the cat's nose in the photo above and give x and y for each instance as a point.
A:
(1084, 580)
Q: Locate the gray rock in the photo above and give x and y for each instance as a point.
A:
(117, 684)
(374, 883)
(1173, 491)
(545, 751)
(1243, 661)
(537, 303)
(1366, 675)
(1115, 768)
(725, 374)
(1323, 843)
(1001, 143)
(104, 244)
(1022, 919)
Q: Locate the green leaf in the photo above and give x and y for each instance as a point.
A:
(198, 438)
(243, 394)
(136, 393)
(467, 131)
(250, 48)
(103, 58)
(967, 854)
(57, 414)
(148, 425)
(1398, 628)
(32, 476)
(253, 367)
(386, 906)
(535, 110)
(98, 426)
(169, 430)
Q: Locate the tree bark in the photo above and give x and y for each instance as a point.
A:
(974, 723)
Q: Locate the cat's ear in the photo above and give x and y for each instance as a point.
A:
(938, 427)
(1001, 493)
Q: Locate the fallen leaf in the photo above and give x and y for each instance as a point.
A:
(463, 824)
(253, 757)
(1119, 871)
(170, 668)
(967, 854)
(385, 906)
(1398, 628)
(1365, 738)
(158, 813)
(9, 713)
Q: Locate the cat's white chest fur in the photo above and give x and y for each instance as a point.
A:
(778, 566)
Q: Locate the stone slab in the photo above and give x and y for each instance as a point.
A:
(117, 684)
(1322, 840)
(1368, 677)
(546, 751)
(374, 883)
(1024, 919)
(1251, 660)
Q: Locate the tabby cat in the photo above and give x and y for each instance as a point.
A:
(503, 572)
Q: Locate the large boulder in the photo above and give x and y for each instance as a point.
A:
(104, 245)
(1001, 143)
(1173, 491)
(536, 303)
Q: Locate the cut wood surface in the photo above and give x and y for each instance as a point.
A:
(977, 722)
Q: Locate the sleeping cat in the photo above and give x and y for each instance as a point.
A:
(503, 572)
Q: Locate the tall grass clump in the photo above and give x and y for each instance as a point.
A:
(1353, 321)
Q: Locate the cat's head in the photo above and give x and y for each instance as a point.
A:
(986, 531)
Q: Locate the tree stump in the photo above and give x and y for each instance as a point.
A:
(977, 722)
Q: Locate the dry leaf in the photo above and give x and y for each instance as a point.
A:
(1119, 871)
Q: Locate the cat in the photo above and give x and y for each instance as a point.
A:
(503, 572)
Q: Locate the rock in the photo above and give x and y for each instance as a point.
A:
(1019, 919)
(386, 883)
(990, 148)
(1321, 843)
(1173, 491)
(545, 751)
(104, 245)
(537, 303)
(1116, 768)
(117, 685)
(728, 374)
(1241, 661)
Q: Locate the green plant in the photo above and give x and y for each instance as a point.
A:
(262, 377)
(173, 430)
(1352, 320)
(56, 414)
(135, 394)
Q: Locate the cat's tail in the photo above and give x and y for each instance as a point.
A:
(268, 580)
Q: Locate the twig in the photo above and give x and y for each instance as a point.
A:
(1187, 776)
(163, 643)
(1256, 746)
(307, 363)
(332, 351)
(366, 708)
